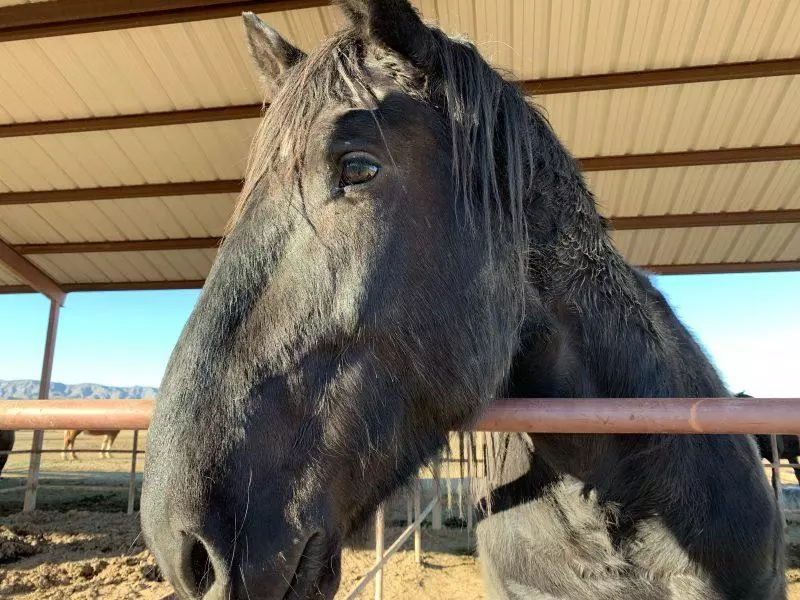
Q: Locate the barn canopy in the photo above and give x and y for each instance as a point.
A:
(125, 126)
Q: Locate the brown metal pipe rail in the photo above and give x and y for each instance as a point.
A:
(537, 415)
(75, 414)
(644, 415)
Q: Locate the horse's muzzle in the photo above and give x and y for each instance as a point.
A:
(198, 569)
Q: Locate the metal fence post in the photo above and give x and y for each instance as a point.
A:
(132, 484)
(379, 544)
(32, 485)
(418, 523)
(776, 476)
(436, 470)
(469, 482)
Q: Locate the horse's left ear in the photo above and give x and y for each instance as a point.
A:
(396, 24)
(273, 54)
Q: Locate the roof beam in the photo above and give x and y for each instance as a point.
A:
(719, 219)
(33, 275)
(715, 268)
(723, 219)
(124, 286)
(690, 158)
(65, 17)
(656, 77)
(560, 85)
(678, 269)
(149, 190)
(114, 286)
(155, 119)
(120, 246)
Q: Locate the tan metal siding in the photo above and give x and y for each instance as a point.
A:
(749, 243)
(717, 188)
(167, 265)
(205, 63)
(673, 118)
(113, 220)
(195, 152)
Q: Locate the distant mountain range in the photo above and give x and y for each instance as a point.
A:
(28, 389)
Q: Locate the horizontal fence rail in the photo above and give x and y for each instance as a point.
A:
(535, 415)
(643, 415)
(75, 414)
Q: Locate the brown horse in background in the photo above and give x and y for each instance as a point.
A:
(105, 448)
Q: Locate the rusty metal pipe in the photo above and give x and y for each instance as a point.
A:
(75, 414)
(644, 415)
(536, 415)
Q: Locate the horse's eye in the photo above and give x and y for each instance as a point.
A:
(357, 168)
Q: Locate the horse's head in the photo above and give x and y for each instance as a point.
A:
(365, 302)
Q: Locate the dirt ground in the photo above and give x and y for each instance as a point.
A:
(80, 544)
(85, 555)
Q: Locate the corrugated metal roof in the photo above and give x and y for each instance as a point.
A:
(194, 152)
(115, 220)
(708, 245)
(744, 113)
(166, 265)
(206, 64)
(683, 190)
(672, 118)
(556, 38)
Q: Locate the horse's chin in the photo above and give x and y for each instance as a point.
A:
(328, 583)
(318, 572)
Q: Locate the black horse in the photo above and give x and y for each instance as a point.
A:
(412, 241)
(6, 444)
(788, 447)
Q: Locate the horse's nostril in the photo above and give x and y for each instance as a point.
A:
(198, 569)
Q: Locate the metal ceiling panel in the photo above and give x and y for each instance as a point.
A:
(735, 244)
(116, 220)
(674, 118)
(681, 190)
(206, 63)
(167, 265)
(194, 152)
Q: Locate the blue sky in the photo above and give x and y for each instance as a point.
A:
(748, 323)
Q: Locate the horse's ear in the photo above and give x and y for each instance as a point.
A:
(272, 53)
(396, 24)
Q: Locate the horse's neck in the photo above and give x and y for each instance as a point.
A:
(597, 327)
(608, 333)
